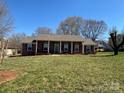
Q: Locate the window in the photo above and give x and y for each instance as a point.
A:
(88, 49)
(76, 47)
(29, 47)
(45, 46)
(65, 47)
(101, 48)
(56, 48)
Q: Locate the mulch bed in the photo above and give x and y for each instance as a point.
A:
(7, 76)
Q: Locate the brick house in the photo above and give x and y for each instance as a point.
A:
(57, 44)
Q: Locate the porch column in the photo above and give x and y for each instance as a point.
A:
(60, 47)
(36, 48)
(82, 48)
(48, 47)
(94, 49)
(71, 47)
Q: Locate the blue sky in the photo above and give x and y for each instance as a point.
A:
(30, 14)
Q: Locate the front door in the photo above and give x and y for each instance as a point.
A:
(56, 48)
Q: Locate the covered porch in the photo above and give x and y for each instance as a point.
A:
(58, 47)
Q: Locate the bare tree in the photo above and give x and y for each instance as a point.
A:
(93, 29)
(42, 30)
(5, 27)
(15, 40)
(70, 26)
(116, 40)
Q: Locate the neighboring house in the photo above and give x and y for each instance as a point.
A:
(10, 50)
(102, 46)
(122, 48)
(57, 44)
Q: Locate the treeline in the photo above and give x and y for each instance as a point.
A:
(76, 26)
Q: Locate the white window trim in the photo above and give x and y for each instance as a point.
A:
(45, 45)
(56, 47)
(29, 45)
(76, 48)
(66, 46)
(88, 48)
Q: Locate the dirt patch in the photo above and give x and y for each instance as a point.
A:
(7, 76)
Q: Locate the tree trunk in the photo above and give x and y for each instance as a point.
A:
(2, 52)
(1, 57)
(115, 51)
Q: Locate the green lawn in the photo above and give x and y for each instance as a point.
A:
(101, 73)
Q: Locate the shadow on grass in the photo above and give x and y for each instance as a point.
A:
(102, 55)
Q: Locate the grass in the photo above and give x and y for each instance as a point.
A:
(100, 73)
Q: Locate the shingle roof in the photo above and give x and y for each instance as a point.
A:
(60, 38)
(70, 38)
(28, 40)
(89, 42)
